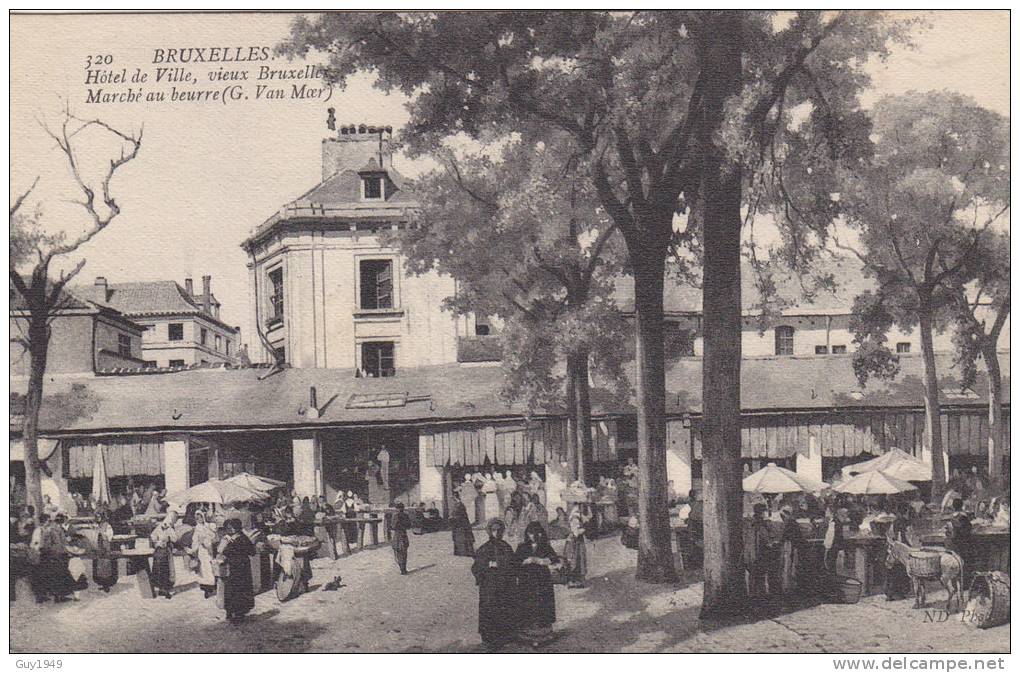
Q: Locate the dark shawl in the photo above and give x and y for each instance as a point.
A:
(239, 594)
(496, 591)
(535, 595)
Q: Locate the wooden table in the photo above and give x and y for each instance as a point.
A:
(138, 565)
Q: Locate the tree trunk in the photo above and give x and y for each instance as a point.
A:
(655, 551)
(572, 452)
(38, 337)
(932, 409)
(720, 205)
(585, 453)
(995, 429)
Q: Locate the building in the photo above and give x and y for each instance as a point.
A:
(327, 290)
(181, 328)
(792, 325)
(86, 336)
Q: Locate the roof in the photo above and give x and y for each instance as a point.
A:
(339, 197)
(150, 298)
(75, 299)
(794, 297)
(219, 398)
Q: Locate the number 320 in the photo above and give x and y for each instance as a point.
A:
(98, 59)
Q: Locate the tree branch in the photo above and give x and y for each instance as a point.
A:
(21, 199)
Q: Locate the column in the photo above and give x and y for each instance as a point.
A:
(678, 457)
(307, 456)
(175, 464)
(810, 465)
(430, 477)
(927, 458)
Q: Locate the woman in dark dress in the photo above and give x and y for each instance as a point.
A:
(536, 607)
(494, 574)
(163, 538)
(463, 538)
(399, 540)
(104, 566)
(236, 549)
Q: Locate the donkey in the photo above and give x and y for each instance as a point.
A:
(950, 573)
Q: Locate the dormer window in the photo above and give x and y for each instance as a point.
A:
(372, 186)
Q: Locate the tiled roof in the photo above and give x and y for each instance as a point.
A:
(151, 298)
(236, 398)
(78, 299)
(794, 299)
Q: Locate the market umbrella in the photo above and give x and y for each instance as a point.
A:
(216, 492)
(775, 479)
(874, 483)
(253, 482)
(100, 480)
(895, 463)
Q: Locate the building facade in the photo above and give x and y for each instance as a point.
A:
(326, 288)
(181, 328)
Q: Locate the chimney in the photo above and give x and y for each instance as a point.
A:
(206, 294)
(101, 288)
(353, 146)
(189, 287)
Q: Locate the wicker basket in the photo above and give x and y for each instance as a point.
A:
(924, 564)
(989, 599)
(848, 590)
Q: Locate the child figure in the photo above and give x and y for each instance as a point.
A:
(575, 556)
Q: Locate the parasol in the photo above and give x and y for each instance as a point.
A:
(100, 481)
(895, 463)
(253, 482)
(874, 483)
(216, 492)
(775, 479)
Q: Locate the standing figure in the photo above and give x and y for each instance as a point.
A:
(575, 555)
(494, 574)
(460, 526)
(536, 608)
(478, 480)
(468, 493)
(399, 540)
(756, 547)
(502, 495)
(235, 551)
(491, 499)
(510, 485)
(203, 548)
(104, 568)
(384, 466)
(163, 538)
(537, 486)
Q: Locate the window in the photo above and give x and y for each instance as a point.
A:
(482, 327)
(150, 364)
(784, 340)
(203, 336)
(175, 331)
(679, 342)
(377, 358)
(903, 347)
(228, 346)
(373, 187)
(821, 350)
(124, 345)
(839, 350)
(276, 295)
(219, 342)
(376, 283)
(176, 363)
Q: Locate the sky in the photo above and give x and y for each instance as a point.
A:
(208, 173)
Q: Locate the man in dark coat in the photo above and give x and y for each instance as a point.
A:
(494, 574)
(236, 550)
(399, 540)
(460, 525)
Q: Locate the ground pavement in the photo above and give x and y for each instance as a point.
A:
(434, 609)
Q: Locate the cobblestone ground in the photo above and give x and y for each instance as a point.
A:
(435, 609)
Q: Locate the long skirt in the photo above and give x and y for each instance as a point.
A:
(238, 592)
(206, 579)
(576, 556)
(163, 570)
(104, 572)
(491, 506)
(53, 578)
(897, 583)
(536, 599)
(480, 519)
(463, 541)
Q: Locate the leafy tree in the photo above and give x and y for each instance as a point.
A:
(921, 209)
(979, 313)
(674, 111)
(526, 241)
(33, 248)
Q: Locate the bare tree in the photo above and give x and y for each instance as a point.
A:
(33, 251)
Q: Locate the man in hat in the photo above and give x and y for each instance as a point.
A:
(399, 540)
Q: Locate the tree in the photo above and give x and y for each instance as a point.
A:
(670, 108)
(526, 241)
(33, 250)
(979, 313)
(920, 209)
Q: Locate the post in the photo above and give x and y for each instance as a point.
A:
(175, 464)
(430, 477)
(810, 465)
(307, 456)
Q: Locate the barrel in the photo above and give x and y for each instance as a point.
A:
(989, 599)
(924, 564)
(848, 590)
